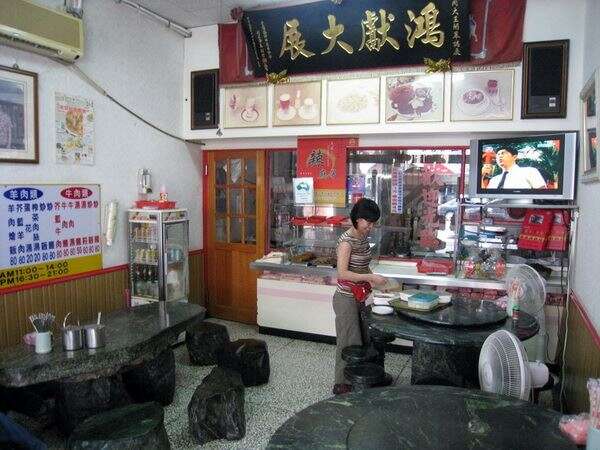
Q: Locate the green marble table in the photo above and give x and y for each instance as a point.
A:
(132, 337)
(421, 417)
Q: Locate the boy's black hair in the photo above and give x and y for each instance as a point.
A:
(513, 151)
(366, 209)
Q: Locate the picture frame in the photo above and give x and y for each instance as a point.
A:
(544, 80)
(354, 101)
(246, 107)
(296, 104)
(417, 97)
(482, 95)
(590, 124)
(18, 116)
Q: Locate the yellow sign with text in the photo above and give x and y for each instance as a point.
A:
(335, 197)
(35, 273)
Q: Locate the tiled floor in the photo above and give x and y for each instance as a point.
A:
(301, 374)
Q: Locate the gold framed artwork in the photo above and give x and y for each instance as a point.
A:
(482, 95)
(414, 98)
(588, 98)
(246, 107)
(18, 116)
(297, 104)
(353, 101)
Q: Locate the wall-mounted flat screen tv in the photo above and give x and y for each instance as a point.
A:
(524, 167)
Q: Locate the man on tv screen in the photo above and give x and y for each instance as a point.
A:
(513, 176)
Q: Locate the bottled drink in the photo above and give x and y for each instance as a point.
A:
(139, 283)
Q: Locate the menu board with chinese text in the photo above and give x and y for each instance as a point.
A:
(48, 231)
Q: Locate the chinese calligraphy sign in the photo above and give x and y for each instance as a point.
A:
(363, 34)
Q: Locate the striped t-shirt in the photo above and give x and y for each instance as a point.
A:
(360, 258)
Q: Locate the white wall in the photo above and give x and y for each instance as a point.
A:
(140, 63)
(587, 279)
(544, 20)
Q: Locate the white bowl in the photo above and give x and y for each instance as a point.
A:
(381, 301)
(382, 309)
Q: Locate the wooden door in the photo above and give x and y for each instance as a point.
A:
(235, 234)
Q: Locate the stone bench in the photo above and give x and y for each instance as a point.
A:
(248, 357)
(216, 410)
(379, 341)
(137, 426)
(205, 341)
(363, 376)
(153, 381)
(359, 354)
(76, 401)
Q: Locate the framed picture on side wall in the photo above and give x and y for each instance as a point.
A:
(297, 104)
(18, 116)
(590, 169)
(414, 98)
(482, 95)
(246, 107)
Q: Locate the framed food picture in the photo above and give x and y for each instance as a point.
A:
(18, 116)
(297, 104)
(246, 107)
(485, 95)
(353, 101)
(414, 98)
(590, 169)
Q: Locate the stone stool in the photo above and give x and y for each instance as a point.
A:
(363, 376)
(248, 357)
(358, 354)
(379, 341)
(216, 410)
(153, 381)
(205, 341)
(130, 427)
(78, 400)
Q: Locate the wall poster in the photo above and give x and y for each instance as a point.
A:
(74, 130)
(324, 159)
(49, 231)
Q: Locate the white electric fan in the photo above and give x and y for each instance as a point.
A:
(503, 364)
(526, 290)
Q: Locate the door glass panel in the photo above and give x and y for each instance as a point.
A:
(221, 171)
(236, 230)
(250, 231)
(236, 170)
(249, 202)
(221, 229)
(250, 171)
(235, 201)
(221, 200)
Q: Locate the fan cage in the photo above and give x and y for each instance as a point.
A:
(504, 355)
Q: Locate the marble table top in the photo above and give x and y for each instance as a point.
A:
(132, 336)
(460, 313)
(424, 417)
(406, 328)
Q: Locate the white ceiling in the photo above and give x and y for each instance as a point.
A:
(196, 13)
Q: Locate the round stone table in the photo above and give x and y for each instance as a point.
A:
(423, 417)
(444, 354)
(460, 313)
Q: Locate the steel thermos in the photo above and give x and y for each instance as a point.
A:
(95, 336)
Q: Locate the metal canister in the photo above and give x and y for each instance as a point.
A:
(72, 337)
(95, 336)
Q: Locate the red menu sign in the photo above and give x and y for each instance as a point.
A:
(324, 159)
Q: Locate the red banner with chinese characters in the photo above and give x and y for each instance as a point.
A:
(324, 159)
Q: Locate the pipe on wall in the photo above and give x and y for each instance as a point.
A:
(183, 31)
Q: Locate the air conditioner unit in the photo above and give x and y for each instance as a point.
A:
(26, 25)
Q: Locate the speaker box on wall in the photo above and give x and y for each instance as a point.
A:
(205, 99)
(545, 71)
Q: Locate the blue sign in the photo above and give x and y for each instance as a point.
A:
(23, 194)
